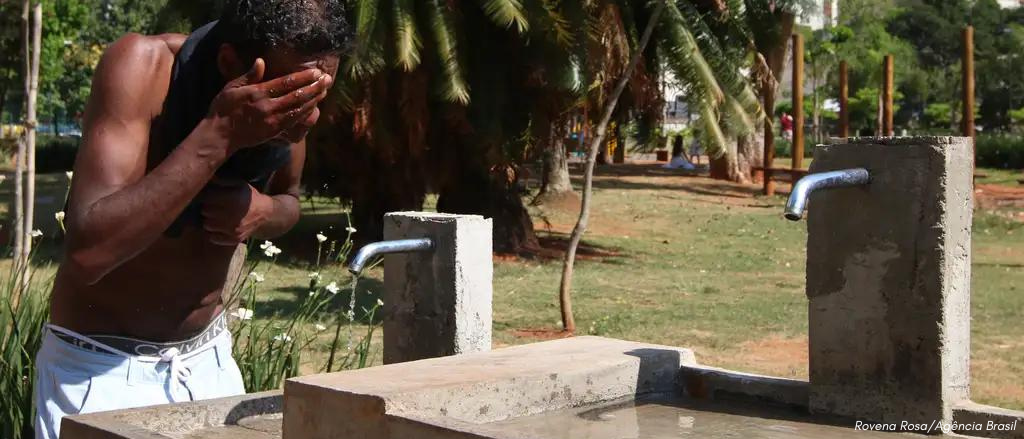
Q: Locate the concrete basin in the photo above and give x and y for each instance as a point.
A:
(574, 388)
(252, 416)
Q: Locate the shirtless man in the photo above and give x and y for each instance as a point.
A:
(137, 317)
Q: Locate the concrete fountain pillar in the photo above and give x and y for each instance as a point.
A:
(888, 278)
(437, 303)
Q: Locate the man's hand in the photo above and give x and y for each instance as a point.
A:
(249, 112)
(231, 214)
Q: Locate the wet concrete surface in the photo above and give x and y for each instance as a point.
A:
(671, 416)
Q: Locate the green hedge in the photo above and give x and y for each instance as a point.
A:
(53, 154)
(1000, 151)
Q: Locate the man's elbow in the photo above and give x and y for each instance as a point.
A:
(86, 264)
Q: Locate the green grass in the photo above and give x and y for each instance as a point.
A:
(683, 261)
(1007, 177)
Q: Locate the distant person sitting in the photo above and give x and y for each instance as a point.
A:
(678, 161)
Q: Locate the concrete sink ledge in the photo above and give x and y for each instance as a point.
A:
(459, 396)
(451, 397)
(172, 421)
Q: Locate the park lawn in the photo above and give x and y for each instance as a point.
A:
(677, 260)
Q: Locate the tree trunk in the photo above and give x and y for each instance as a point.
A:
(555, 180)
(495, 195)
(30, 156)
(19, 166)
(620, 144)
(564, 291)
(19, 205)
(719, 167)
(739, 168)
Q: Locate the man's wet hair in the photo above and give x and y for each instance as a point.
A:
(308, 27)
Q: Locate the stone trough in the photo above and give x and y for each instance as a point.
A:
(889, 293)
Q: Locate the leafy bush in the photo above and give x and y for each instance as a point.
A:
(23, 312)
(784, 148)
(1000, 151)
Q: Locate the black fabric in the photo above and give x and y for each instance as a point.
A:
(195, 82)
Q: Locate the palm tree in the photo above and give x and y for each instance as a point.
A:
(452, 97)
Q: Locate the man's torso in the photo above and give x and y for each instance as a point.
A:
(173, 288)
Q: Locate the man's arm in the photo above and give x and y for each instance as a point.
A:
(116, 209)
(232, 214)
(284, 190)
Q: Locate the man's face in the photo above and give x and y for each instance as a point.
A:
(283, 62)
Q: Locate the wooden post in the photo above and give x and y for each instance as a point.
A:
(798, 101)
(887, 90)
(844, 95)
(968, 87)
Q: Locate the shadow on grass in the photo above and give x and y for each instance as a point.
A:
(553, 246)
(368, 291)
(730, 190)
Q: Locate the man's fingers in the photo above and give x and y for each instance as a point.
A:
(253, 76)
(286, 84)
(302, 96)
(293, 117)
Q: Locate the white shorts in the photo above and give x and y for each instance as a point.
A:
(80, 377)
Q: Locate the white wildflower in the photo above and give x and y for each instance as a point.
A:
(320, 327)
(37, 233)
(380, 302)
(59, 216)
(256, 277)
(312, 293)
(242, 314)
(350, 229)
(320, 237)
(69, 174)
(283, 338)
(314, 275)
(270, 249)
(333, 287)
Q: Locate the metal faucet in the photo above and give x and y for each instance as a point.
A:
(823, 180)
(371, 251)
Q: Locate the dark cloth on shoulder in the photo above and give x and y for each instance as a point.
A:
(195, 82)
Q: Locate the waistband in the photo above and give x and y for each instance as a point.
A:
(118, 345)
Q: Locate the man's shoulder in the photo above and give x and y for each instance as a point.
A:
(145, 49)
(135, 65)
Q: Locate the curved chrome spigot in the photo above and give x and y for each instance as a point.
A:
(823, 180)
(370, 251)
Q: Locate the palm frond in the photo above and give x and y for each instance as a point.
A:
(712, 137)
(407, 38)
(548, 20)
(507, 13)
(367, 57)
(454, 88)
